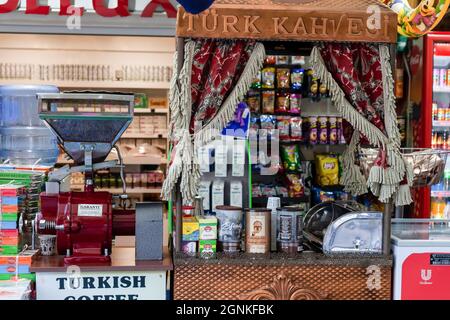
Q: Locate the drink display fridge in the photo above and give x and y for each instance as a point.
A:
(435, 120)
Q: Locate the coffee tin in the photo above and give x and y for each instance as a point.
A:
(230, 222)
(289, 230)
(258, 230)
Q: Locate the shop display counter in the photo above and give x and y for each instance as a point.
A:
(124, 279)
(309, 276)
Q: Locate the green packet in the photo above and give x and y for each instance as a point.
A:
(9, 217)
(8, 276)
(6, 250)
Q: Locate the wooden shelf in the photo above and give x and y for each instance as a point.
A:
(141, 85)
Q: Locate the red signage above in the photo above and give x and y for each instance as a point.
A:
(121, 10)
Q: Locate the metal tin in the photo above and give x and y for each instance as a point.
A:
(229, 228)
(258, 230)
(289, 230)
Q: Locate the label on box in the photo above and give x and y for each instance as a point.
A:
(218, 190)
(208, 228)
(190, 229)
(90, 210)
(204, 192)
(189, 247)
(208, 246)
(204, 159)
(238, 168)
(221, 159)
(236, 194)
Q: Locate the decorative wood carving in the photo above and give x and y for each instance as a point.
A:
(283, 288)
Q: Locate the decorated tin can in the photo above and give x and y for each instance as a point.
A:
(229, 227)
(257, 233)
(289, 230)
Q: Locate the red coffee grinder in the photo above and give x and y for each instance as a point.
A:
(87, 126)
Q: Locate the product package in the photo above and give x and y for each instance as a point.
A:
(282, 103)
(140, 101)
(280, 60)
(221, 159)
(256, 82)
(270, 60)
(268, 102)
(290, 155)
(323, 130)
(238, 166)
(283, 77)
(268, 78)
(205, 159)
(313, 134)
(297, 78)
(296, 129)
(208, 227)
(191, 229)
(218, 192)
(236, 194)
(204, 191)
(295, 100)
(283, 125)
(189, 247)
(327, 170)
(207, 246)
(254, 101)
(296, 186)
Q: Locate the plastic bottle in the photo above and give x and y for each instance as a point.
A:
(437, 208)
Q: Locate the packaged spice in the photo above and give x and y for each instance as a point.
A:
(296, 129)
(283, 76)
(290, 155)
(282, 104)
(256, 82)
(282, 59)
(294, 103)
(296, 187)
(323, 130)
(333, 137)
(254, 101)
(283, 123)
(268, 102)
(270, 60)
(313, 130)
(297, 78)
(268, 78)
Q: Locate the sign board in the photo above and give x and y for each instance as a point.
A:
(277, 22)
(101, 285)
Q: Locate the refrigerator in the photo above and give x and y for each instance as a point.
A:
(421, 249)
(432, 124)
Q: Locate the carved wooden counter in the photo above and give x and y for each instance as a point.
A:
(280, 277)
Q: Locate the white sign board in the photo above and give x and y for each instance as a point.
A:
(106, 285)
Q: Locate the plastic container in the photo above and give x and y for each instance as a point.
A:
(24, 138)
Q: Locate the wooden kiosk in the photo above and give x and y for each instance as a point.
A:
(286, 23)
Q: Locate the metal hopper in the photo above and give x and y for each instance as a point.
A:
(87, 125)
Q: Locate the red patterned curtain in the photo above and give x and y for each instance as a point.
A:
(215, 76)
(360, 80)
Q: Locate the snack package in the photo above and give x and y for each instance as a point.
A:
(283, 76)
(323, 130)
(313, 138)
(270, 60)
(282, 105)
(297, 78)
(268, 190)
(256, 82)
(333, 137)
(282, 59)
(296, 187)
(295, 100)
(267, 122)
(282, 191)
(256, 191)
(253, 130)
(298, 60)
(268, 78)
(254, 101)
(268, 102)
(140, 101)
(319, 196)
(327, 170)
(323, 90)
(283, 123)
(296, 129)
(290, 155)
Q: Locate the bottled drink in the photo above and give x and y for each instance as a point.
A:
(435, 111)
(446, 180)
(437, 208)
(433, 139)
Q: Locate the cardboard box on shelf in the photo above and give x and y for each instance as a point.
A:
(207, 246)
(191, 229)
(157, 102)
(208, 227)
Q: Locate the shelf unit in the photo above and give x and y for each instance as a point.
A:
(104, 63)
